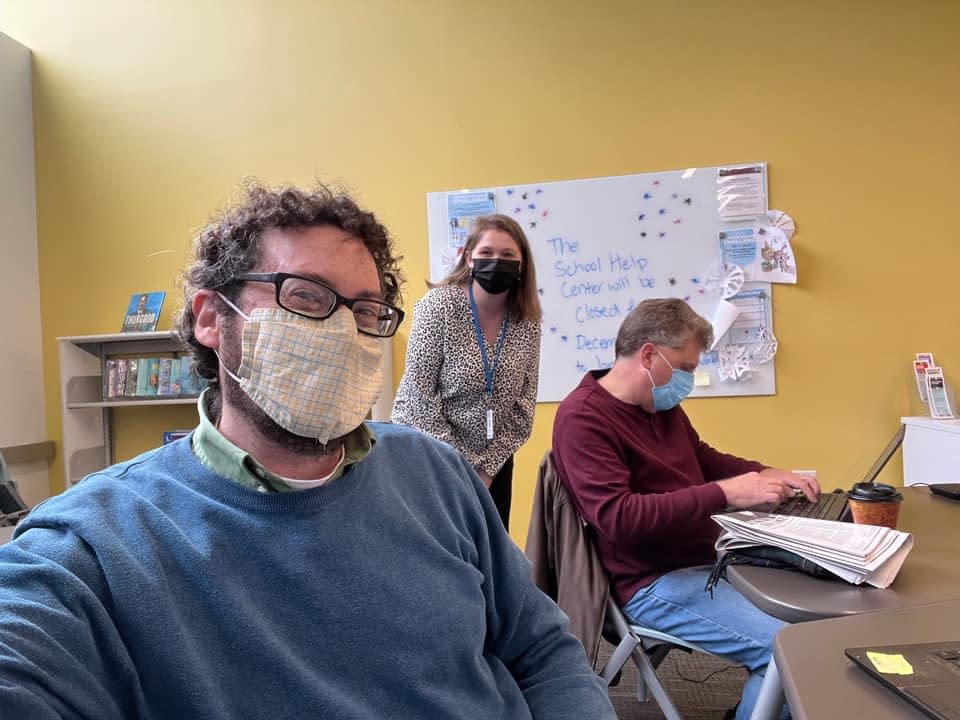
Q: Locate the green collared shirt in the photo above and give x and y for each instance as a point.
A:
(224, 458)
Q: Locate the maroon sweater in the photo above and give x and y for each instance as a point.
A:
(643, 482)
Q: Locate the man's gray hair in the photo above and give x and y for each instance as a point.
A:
(662, 321)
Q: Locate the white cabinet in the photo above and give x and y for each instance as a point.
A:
(87, 416)
(931, 451)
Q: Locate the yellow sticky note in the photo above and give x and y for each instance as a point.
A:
(890, 664)
(701, 378)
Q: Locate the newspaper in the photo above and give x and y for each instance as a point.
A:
(856, 553)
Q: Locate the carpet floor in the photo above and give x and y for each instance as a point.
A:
(702, 687)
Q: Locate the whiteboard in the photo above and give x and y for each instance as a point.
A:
(602, 245)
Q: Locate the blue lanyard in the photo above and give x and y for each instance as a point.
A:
(488, 369)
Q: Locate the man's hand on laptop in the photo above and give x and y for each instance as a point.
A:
(767, 488)
(805, 484)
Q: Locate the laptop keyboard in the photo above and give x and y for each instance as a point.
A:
(829, 506)
(951, 656)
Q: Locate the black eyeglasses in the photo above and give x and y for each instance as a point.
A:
(315, 300)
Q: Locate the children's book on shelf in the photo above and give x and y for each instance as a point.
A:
(152, 368)
(189, 382)
(175, 366)
(130, 386)
(143, 312)
(110, 378)
(121, 381)
(163, 377)
(142, 372)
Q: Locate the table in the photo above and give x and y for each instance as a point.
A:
(931, 573)
(820, 683)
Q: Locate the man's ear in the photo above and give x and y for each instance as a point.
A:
(206, 319)
(646, 353)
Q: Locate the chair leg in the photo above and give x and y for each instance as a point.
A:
(619, 657)
(771, 698)
(648, 678)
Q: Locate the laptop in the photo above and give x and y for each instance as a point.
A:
(833, 506)
(925, 674)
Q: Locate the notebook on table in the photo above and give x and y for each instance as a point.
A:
(924, 674)
(833, 506)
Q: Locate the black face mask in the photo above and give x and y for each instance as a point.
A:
(496, 276)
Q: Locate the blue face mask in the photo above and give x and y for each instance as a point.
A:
(672, 393)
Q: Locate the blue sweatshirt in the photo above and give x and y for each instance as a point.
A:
(158, 589)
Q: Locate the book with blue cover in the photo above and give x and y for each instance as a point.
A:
(151, 366)
(189, 382)
(143, 312)
(175, 366)
(170, 435)
(163, 377)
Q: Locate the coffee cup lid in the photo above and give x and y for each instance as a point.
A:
(874, 492)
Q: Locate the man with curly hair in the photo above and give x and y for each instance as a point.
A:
(286, 559)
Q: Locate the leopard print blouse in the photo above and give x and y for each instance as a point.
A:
(442, 389)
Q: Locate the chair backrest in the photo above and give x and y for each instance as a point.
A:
(12, 506)
(565, 563)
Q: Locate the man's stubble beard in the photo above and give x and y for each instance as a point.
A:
(233, 394)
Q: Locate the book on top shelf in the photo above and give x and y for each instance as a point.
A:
(143, 312)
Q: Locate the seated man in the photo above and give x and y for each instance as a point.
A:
(285, 560)
(642, 478)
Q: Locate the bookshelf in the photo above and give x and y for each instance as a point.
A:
(87, 416)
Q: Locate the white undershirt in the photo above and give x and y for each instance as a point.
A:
(307, 484)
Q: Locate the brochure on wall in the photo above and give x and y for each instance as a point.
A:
(742, 192)
(937, 396)
(921, 362)
(776, 262)
(763, 251)
(739, 247)
(752, 318)
(463, 208)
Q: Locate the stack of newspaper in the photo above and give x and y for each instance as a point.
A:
(856, 553)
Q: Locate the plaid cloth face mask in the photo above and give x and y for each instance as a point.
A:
(314, 378)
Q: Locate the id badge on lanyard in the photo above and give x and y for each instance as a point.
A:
(489, 368)
(489, 399)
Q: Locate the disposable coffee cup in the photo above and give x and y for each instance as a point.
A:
(875, 504)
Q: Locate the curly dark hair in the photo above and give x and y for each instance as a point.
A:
(230, 245)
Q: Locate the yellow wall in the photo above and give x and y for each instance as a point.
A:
(147, 115)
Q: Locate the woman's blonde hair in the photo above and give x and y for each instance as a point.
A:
(523, 300)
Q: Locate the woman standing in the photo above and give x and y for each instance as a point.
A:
(473, 355)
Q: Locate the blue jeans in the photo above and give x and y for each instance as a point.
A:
(726, 624)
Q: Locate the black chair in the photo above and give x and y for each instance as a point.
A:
(12, 505)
